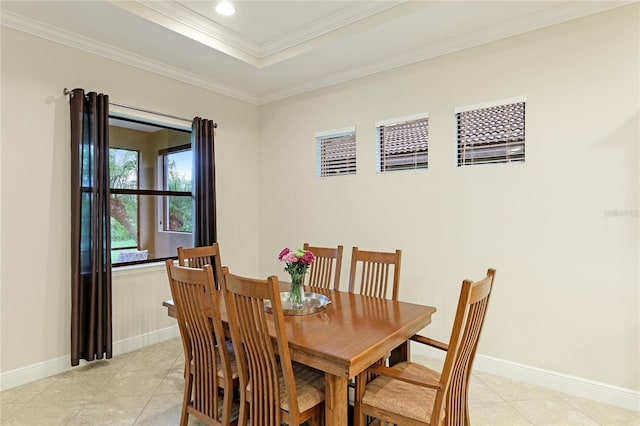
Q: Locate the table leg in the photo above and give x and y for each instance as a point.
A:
(336, 400)
(399, 354)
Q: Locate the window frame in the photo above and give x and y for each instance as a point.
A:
(121, 115)
(115, 191)
(163, 171)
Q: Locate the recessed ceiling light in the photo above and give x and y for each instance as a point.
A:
(225, 8)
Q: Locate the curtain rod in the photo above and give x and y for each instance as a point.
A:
(66, 92)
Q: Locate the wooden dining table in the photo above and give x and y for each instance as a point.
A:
(345, 338)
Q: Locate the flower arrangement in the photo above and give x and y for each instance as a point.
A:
(297, 265)
(298, 262)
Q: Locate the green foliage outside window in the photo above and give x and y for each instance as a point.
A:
(179, 179)
(123, 174)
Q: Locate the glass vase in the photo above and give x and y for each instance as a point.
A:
(296, 292)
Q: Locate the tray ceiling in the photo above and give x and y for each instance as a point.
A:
(270, 50)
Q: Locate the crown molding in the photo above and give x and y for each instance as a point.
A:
(182, 20)
(562, 13)
(549, 17)
(333, 22)
(40, 29)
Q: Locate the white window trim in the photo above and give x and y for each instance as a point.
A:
(140, 268)
(336, 132)
(490, 104)
(147, 117)
(403, 119)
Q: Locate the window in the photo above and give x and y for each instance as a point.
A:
(123, 174)
(336, 152)
(403, 143)
(176, 171)
(491, 133)
(151, 196)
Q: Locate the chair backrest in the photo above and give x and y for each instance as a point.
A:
(198, 257)
(378, 273)
(200, 327)
(258, 364)
(456, 372)
(326, 267)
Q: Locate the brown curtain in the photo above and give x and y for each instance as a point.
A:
(204, 182)
(90, 228)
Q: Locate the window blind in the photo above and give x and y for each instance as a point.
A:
(494, 134)
(403, 145)
(336, 154)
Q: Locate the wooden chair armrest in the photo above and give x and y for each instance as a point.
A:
(430, 342)
(394, 373)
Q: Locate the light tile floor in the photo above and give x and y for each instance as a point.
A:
(145, 388)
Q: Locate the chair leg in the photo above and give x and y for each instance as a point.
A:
(358, 417)
(188, 386)
(243, 414)
(227, 405)
(465, 400)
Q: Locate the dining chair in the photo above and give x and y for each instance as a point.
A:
(197, 257)
(412, 394)
(208, 366)
(372, 271)
(273, 389)
(326, 266)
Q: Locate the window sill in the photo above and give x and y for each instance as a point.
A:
(144, 268)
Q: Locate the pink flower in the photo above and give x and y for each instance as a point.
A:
(297, 261)
(283, 253)
(307, 258)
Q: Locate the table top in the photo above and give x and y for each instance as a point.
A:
(351, 333)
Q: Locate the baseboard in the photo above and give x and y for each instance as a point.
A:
(34, 372)
(144, 340)
(576, 386)
(589, 389)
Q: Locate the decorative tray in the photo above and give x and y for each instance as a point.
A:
(311, 303)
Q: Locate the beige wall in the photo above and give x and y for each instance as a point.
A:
(34, 196)
(566, 295)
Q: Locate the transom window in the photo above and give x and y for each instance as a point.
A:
(491, 133)
(403, 143)
(336, 152)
